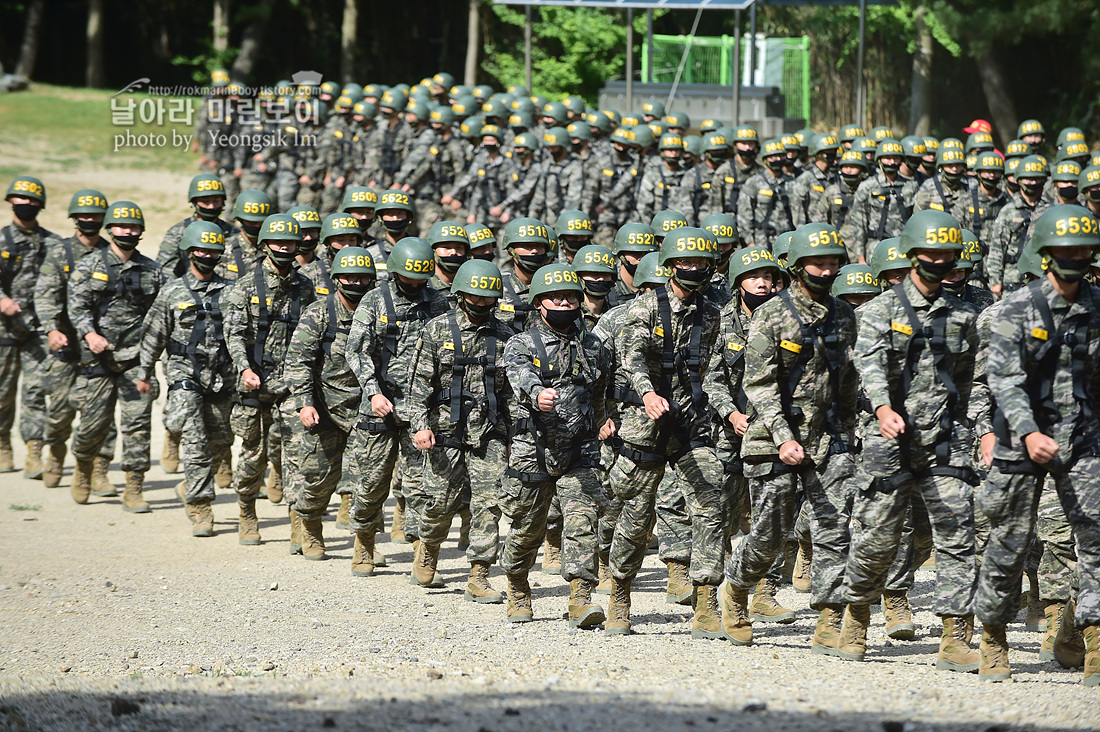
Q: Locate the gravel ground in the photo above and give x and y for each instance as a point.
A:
(115, 621)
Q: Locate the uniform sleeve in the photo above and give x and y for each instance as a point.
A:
(158, 327)
(360, 349)
(49, 292)
(420, 381)
(168, 256)
(1008, 370)
(854, 231)
(746, 213)
(633, 345)
(761, 382)
(237, 325)
(720, 383)
(83, 300)
(524, 380)
(303, 356)
(872, 351)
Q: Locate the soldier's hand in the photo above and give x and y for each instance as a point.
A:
(97, 343)
(309, 417)
(424, 440)
(339, 182)
(372, 184)
(250, 379)
(9, 307)
(380, 405)
(740, 423)
(505, 217)
(304, 180)
(471, 219)
(407, 188)
(1040, 447)
(655, 405)
(988, 441)
(446, 200)
(791, 452)
(546, 399)
(327, 179)
(143, 386)
(608, 430)
(194, 146)
(258, 157)
(600, 209)
(455, 204)
(996, 289)
(238, 172)
(890, 423)
(261, 167)
(57, 340)
(496, 211)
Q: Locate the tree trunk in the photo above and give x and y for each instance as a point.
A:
(998, 96)
(347, 40)
(471, 45)
(32, 33)
(252, 40)
(920, 116)
(93, 74)
(221, 26)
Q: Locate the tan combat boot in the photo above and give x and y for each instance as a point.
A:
(464, 517)
(170, 453)
(132, 500)
(830, 622)
(1053, 624)
(1092, 655)
(853, 634)
(313, 541)
(993, 654)
(519, 599)
(102, 486)
(82, 481)
(898, 614)
(707, 622)
(735, 614)
(55, 465)
(1035, 621)
(618, 609)
(397, 526)
(582, 613)
(295, 533)
(764, 608)
(551, 552)
(478, 588)
(32, 469)
(275, 486)
(955, 651)
(379, 557)
(203, 518)
(800, 577)
(362, 560)
(425, 560)
(679, 590)
(7, 460)
(248, 525)
(223, 476)
(1069, 644)
(343, 516)
(604, 587)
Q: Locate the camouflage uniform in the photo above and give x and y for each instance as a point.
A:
(696, 183)
(833, 206)
(935, 194)
(879, 211)
(240, 257)
(337, 160)
(725, 187)
(1007, 237)
(186, 321)
(430, 170)
(380, 352)
(559, 188)
(393, 138)
(514, 308)
(22, 346)
(259, 411)
(487, 182)
(169, 255)
(977, 211)
(469, 452)
(680, 439)
(818, 411)
(555, 450)
(660, 189)
(1019, 362)
(615, 192)
(525, 177)
(111, 297)
(808, 190)
(765, 209)
(933, 457)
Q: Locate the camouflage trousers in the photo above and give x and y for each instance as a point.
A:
(451, 477)
(30, 358)
(232, 187)
(202, 422)
(883, 512)
(606, 530)
(253, 424)
(375, 456)
(330, 200)
(96, 395)
(1011, 501)
(774, 488)
(429, 213)
(311, 195)
(324, 463)
(254, 180)
(636, 484)
(583, 499)
(1057, 570)
(284, 190)
(61, 406)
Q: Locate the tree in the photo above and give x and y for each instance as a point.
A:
(470, 75)
(221, 26)
(32, 32)
(93, 74)
(348, 28)
(258, 15)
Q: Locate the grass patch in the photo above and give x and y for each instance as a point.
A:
(24, 507)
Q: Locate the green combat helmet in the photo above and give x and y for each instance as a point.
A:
(723, 226)
(1030, 127)
(353, 261)
(527, 231)
(931, 229)
(751, 259)
(677, 120)
(1017, 149)
(573, 229)
(850, 133)
(972, 250)
(881, 133)
(815, 240)
(88, 201)
(526, 141)
(356, 197)
(478, 279)
(280, 227)
(594, 259)
(1030, 265)
(1088, 181)
(650, 273)
(654, 109)
(449, 232)
(481, 238)
(665, 221)
(634, 237)
(1065, 226)
(979, 141)
(887, 257)
(688, 242)
(27, 186)
(856, 279)
(202, 185)
(338, 224)
(203, 235)
(412, 258)
(781, 246)
(1070, 134)
(306, 216)
(124, 212)
(253, 206)
(554, 278)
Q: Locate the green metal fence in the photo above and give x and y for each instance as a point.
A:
(710, 61)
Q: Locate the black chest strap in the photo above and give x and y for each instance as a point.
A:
(333, 328)
(823, 337)
(261, 359)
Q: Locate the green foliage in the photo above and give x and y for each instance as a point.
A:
(24, 507)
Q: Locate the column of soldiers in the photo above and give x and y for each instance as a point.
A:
(859, 351)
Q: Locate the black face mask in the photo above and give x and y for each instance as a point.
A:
(476, 313)
(450, 264)
(251, 228)
(890, 169)
(395, 227)
(775, 165)
(753, 301)
(126, 242)
(955, 288)
(817, 284)
(852, 181)
(989, 185)
(354, 293)
(747, 155)
(952, 179)
(1070, 270)
(205, 265)
(630, 268)
(1069, 193)
(484, 257)
(724, 257)
(530, 263)
(307, 246)
(932, 271)
(412, 292)
(1094, 194)
(209, 214)
(691, 279)
(1032, 188)
(89, 228)
(26, 211)
(281, 260)
(1012, 186)
(562, 320)
(597, 288)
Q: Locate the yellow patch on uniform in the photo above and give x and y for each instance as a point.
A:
(383, 319)
(292, 130)
(819, 189)
(536, 362)
(434, 150)
(338, 133)
(767, 192)
(232, 268)
(185, 305)
(705, 185)
(633, 171)
(730, 180)
(901, 328)
(515, 176)
(322, 290)
(508, 307)
(971, 209)
(448, 346)
(838, 201)
(1040, 333)
(102, 277)
(66, 268)
(735, 346)
(937, 206)
(790, 346)
(660, 185)
(481, 172)
(609, 173)
(659, 331)
(256, 300)
(379, 265)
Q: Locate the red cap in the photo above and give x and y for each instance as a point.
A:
(978, 125)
